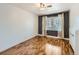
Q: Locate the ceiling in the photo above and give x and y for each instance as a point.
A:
(34, 7)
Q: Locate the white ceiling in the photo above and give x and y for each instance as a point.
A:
(34, 7)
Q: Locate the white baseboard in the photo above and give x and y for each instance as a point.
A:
(26, 38)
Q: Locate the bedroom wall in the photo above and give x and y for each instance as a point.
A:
(74, 25)
(16, 25)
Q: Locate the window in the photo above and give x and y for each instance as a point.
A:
(53, 23)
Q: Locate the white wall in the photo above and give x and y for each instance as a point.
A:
(74, 24)
(15, 25)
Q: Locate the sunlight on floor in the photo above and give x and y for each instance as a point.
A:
(51, 49)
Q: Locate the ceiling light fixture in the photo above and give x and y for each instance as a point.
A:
(45, 5)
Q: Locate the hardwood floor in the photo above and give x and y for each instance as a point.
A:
(41, 45)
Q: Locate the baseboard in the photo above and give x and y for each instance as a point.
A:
(26, 38)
